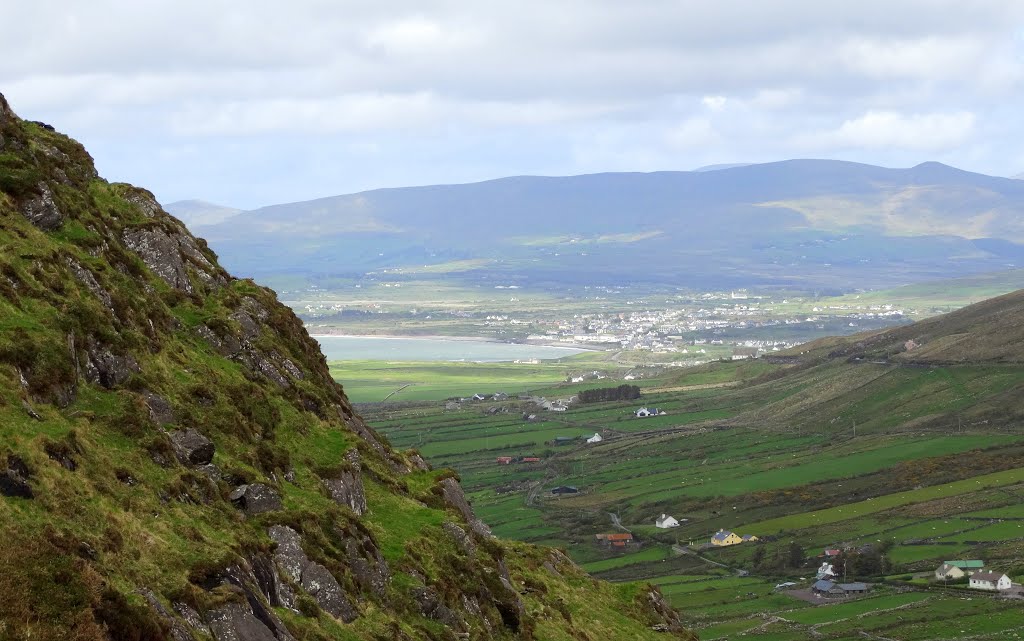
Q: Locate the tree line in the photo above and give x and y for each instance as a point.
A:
(603, 394)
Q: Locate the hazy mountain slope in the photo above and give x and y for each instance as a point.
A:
(801, 222)
(199, 213)
(177, 463)
(965, 367)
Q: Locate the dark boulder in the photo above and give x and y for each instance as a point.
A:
(256, 498)
(191, 447)
(160, 410)
(320, 584)
(108, 369)
(14, 479)
(236, 622)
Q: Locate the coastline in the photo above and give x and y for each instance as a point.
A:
(575, 348)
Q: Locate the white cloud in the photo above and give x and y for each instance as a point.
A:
(931, 132)
(714, 103)
(695, 132)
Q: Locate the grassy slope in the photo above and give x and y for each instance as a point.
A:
(128, 517)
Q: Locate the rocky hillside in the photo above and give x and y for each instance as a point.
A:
(177, 463)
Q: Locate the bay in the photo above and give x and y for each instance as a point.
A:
(359, 348)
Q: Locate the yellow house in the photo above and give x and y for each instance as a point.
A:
(724, 537)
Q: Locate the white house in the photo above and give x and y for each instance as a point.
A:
(665, 521)
(990, 581)
(644, 412)
(948, 571)
(826, 571)
(596, 438)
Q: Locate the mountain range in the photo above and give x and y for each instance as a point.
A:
(825, 225)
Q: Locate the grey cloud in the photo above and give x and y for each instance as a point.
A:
(597, 83)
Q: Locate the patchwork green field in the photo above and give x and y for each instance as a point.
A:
(902, 467)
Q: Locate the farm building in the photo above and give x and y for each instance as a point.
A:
(500, 396)
(615, 540)
(565, 489)
(504, 460)
(969, 566)
(665, 521)
(749, 538)
(826, 588)
(563, 440)
(990, 581)
(724, 537)
(644, 412)
(832, 552)
(530, 459)
(853, 588)
(596, 438)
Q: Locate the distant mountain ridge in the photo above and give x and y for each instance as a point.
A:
(802, 223)
(197, 213)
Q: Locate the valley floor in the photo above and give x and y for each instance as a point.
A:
(890, 464)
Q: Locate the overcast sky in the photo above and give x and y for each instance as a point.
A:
(257, 102)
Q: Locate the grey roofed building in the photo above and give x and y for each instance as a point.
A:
(853, 587)
(823, 585)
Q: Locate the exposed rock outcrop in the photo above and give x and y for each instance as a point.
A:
(432, 607)
(315, 579)
(347, 487)
(191, 447)
(366, 563)
(87, 278)
(41, 209)
(176, 628)
(455, 498)
(256, 498)
(170, 255)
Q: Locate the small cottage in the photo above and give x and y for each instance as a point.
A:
(724, 537)
(615, 539)
(665, 521)
(990, 581)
